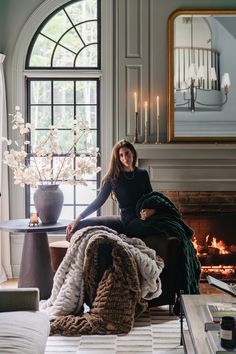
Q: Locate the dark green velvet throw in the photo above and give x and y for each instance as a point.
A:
(168, 220)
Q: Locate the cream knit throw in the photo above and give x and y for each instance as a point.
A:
(67, 295)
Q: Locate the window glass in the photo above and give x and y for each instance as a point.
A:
(67, 105)
(63, 116)
(87, 114)
(72, 41)
(82, 11)
(56, 26)
(42, 52)
(63, 92)
(40, 116)
(86, 92)
(68, 192)
(85, 194)
(87, 56)
(63, 57)
(66, 212)
(68, 39)
(40, 92)
(88, 32)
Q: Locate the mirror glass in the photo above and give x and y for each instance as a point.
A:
(202, 75)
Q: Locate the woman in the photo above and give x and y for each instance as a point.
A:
(126, 183)
(131, 187)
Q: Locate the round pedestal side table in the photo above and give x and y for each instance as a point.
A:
(35, 268)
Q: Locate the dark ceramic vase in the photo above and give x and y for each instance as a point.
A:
(48, 200)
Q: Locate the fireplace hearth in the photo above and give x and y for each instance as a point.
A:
(212, 216)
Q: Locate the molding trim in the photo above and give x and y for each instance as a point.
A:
(189, 167)
(133, 78)
(107, 120)
(128, 40)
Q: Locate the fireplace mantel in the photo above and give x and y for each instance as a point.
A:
(189, 167)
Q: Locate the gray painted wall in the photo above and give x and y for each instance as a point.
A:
(2, 34)
(14, 13)
(147, 67)
(162, 160)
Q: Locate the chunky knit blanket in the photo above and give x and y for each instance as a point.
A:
(169, 221)
(110, 273)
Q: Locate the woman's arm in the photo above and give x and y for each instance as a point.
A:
(95, 205)
(145, 213)
(99, 201)
(148, 186)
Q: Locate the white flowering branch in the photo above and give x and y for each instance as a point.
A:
(36, 166)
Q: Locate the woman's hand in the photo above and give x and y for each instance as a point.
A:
(69, 230)
(71, 227)
(145, 213)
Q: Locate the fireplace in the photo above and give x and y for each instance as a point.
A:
(212, 215)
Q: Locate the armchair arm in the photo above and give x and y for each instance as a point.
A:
(20, 299)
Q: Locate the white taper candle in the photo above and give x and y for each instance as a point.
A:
(145, 112)
(135, 103)
(158, 106)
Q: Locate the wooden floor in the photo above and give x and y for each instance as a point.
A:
(205, 288)
(10, 283)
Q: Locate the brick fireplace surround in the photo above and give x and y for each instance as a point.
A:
(211, 213)
(200, 178)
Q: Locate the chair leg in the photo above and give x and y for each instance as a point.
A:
(171, 312)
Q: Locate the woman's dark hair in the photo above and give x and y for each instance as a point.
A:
(115, 166)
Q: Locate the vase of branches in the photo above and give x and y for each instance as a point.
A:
(45, 164)
(48, 200)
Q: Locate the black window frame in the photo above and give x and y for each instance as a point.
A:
(74, 204)
(29, 52)
(76, 77)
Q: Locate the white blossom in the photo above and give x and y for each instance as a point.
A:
(41, 165)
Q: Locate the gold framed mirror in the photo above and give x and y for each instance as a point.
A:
(202, 75)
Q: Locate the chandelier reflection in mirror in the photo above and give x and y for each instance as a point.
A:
(197, 81)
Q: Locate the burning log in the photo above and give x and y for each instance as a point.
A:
(213, 250)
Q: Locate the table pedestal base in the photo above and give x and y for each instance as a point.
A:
(35, 268)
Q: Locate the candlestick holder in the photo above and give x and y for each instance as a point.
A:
(145, 132)
(136, 141)
(158, 131)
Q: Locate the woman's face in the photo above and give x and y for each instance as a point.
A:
(126, 158)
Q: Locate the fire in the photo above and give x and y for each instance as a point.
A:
(220, 270)
(195, 244)
(218, 245)
(208, 251)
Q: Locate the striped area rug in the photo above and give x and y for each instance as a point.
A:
(155, 332)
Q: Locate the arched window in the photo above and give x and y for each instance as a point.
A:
(68, 38)
(66, 51)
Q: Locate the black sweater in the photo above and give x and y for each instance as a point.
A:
(129, 188)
